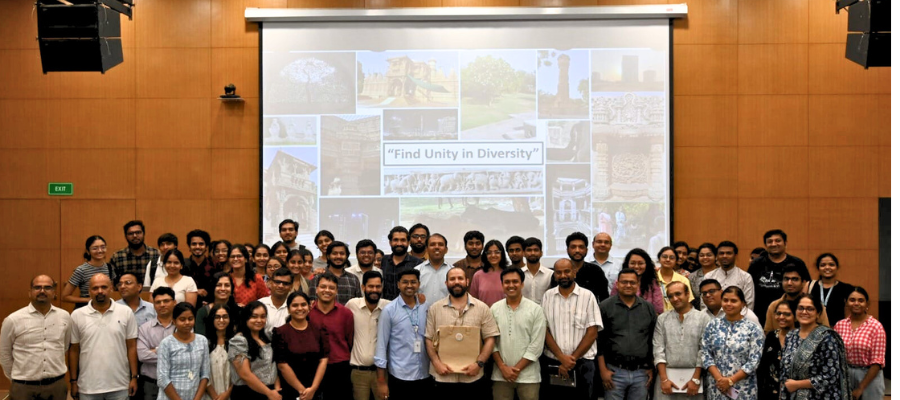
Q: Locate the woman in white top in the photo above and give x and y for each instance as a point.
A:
(220, 328)
(184, 286)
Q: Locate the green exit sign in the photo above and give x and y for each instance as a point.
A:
(60, 189)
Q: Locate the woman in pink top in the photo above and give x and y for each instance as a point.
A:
(640, 262)
(486, 284)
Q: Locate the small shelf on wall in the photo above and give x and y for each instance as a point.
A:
(230, 99)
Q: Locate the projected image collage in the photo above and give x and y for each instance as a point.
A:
(533, 142)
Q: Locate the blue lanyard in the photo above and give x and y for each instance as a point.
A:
(415, 312)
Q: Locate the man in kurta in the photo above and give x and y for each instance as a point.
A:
(676, 346)
(522, 332)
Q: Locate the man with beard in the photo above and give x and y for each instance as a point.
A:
(587, 275)
(130, 290)
(338, 321)
(108, 333)
(537, 277)
(602, 245)
(474, 242)
(33, 344)
(433, 269)
(135, 258)
(626, 342)
(365, 259)
(729, 275)
(676, 344)
(418, 241)
(287, 229)
(198, 266)
(348, 286)
(366, 311)
(398, 261)
(150, 334)
(793, 284)
(523, 330)
(767, 271)
(515, 248)
(573, 320)
(460, 309)
(276, 303)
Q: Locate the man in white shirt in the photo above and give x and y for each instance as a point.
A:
(33, 343)
(276, 303)
(537, 276)
(103, 356)
(729, 275)
(365, 260)
(434, 270)
(366, 312)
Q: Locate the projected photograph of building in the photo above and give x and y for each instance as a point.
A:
(309, 83)
(496, 217)
(563, 84)
(628, 70)
(398, 79)
(629, 168)
(498, 100)
(567, 141)
(632, 224)
(289, 191)
(463, 181)
(421, 124)
(568, 204)
(290, 130)
(361, 218)
(351, 155)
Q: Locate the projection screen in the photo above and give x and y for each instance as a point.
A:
(528, 127)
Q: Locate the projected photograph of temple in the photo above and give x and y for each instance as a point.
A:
(568, 204)
(421, 124)
(628, 70)
(351, 155)
(629, 168)
(309, 83)
(563, 85)
(407, 79)
(289, 190)
(498, 101)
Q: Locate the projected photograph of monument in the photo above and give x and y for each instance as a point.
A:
(568, 204)
(628, 70)
(629, 167)
(632, 225)
(398, 79)
(567, 141)
(563, 85)
(351, 155)
(361, 218)
(498, 99)
(289, 191)
(463, 181)
(496, 217)
(309, 83)
(421, 124)
(290, 130)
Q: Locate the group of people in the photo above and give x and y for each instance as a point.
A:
(257, 322)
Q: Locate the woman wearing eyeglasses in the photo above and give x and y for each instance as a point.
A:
(666, 275)
(865, 341)
(94, 263)
(730, 350)
(220, 328)
(769, 371)
(813, 362)
(248, 286)
(223, 294)
(486, 285)
(640, 262)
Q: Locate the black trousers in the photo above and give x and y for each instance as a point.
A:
(336, 384)
(410, 390)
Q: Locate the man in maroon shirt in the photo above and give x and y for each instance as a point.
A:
(338, 322)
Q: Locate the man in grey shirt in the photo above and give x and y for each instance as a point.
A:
(150, 334)
(676, 345)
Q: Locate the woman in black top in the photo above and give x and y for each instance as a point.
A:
(831, 292)
(301, 351)
(769, 371)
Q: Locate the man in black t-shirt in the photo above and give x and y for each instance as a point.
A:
(767, 271)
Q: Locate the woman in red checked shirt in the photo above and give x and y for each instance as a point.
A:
(865, 341)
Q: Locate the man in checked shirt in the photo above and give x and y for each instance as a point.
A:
(348, 286)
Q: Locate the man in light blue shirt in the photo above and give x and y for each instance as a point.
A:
(130, 288)
(400, 354)
(523, 329)
(434, 270)
(602, 245)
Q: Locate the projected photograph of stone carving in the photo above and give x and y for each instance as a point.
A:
(421, 124)
(407, 79)
(498, 99)
(354, 219)
(563, 84)
(309, 83)
(632, 225)
(351, 155)
(568, 204)
(629, 168)
(289, 181)
(628, 70)
(463, 181)
(567, 141)
(290, 130)
(496, 217)
(629, 114)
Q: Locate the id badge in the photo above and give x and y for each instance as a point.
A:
(417, 347)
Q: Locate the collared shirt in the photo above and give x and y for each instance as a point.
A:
(275, 316)
(522, 334)
(183, 365)
(735, 277)
(610, 269)
(569, 318)
(392, 271)
(866, 345)
(470, 270)
(339, 324)
(356, 271)
(628, 330)
(676, 343)
(348, 287)
(365, 330)
(432, 282)
(103, 362)
(536, 285)
(592, 278)
(746, 312)
(399, 329)
(145, 312)
(125, 262)
(33, 345)
(150, 335)
(476, 314)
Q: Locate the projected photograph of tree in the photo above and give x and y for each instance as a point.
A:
(498, 94)
(563, 84)
(407, 79)
(309, 83)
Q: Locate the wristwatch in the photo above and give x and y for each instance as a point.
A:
(135, 376)
(696, 381)
(480, 364)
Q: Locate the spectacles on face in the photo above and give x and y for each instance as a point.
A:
(418, 236)
(709, 292)
(38, 288)
(135, 233)
(628, 283)
(791, 279)
(668, 257)
(236, 256)
(276, 282)
(808, 310)
(782, 314)
(98, 248)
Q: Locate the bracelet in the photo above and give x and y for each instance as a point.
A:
(665, 380)
(730, 382)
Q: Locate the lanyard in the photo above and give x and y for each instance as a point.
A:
(822, 292)
(415, 312)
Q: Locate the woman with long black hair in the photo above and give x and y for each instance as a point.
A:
(250, 352)
(220, 328)
(640, 262)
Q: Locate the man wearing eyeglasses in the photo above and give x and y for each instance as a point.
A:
(276, 304)
(135, 258)
(793, 282)
(711, 294)
(150, 334)
(33, 343)
(365, 260)
(418, 241)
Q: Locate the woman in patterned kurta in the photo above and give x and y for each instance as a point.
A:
(183, 365)
(813, 362)
(730, 350)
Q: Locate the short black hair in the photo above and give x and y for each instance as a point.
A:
(681, 243)
(794, 269)
(624, 271)
(163, 290)
(421, 225)
(533, 241)
(473, 235)
(712, 248)
(758, 250)
(365, 243)
(323, 233)
(283, 271)
(517, 271)
(727, 243)
(515, 240)
(773, 232)
(710, 282)
(167, 238)
(135, 222)
(200, 234)
(327, 276)
(577, 236)
(371, 275)
(289, 221)
(334, 244)
(411, 271)
(397, 229)
(438, 235)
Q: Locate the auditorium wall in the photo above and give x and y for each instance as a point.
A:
(773, 128)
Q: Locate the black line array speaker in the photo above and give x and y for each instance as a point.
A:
(79, 37)
(869, 43)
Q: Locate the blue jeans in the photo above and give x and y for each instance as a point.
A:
(631, 385)
(116, 395)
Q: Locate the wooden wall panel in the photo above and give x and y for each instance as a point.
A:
(93, 124)
(239, 66)
(237, 173)
(96, 173)
(326, 3)
(849, 120)
(768, 120)
(773, 69)
(824, 25)
(235, 219)
(858, 268)
(173, 73)
(773, 171)
(80, 219)
(831, 73)
(22, 76)
(173, 124)
(705, 220)
(169, 24)
(884, 171)
(843, 171)
(234, 125)
(25, 124)
(757, 216)
(24, 174)
(173, 174)
(705, 121)
(706, 172)
(33, 224)
(773, 21)
(705, 69)
(708, 22)
(26, 265)
(839, 224)
(19, 27)
(230, 29)
(174, 216)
